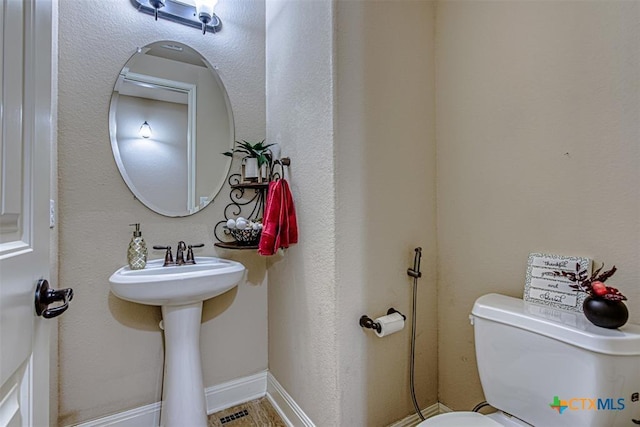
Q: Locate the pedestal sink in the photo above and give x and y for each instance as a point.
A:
(180, 290)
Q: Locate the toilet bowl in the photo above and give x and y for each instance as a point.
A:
(576, 374)
(460, 419)
(472, 419)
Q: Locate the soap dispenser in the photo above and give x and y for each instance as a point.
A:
(137, 253)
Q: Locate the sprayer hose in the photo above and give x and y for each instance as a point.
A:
(413, 350)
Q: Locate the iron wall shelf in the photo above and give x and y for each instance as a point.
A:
(234, 245)
(241, 201)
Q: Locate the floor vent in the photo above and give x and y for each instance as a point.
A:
(234, 417)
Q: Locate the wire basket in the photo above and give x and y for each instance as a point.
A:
(246, 237)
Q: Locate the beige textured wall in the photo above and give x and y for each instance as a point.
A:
(354, 110)
(385, 205)
(111, 351)
(302, 300)
(538, 105)
(536, 102)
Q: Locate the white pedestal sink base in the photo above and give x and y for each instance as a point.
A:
(180, 290)
(183, 399)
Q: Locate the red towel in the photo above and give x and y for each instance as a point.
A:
(292, 226)
(270, 221)
(279, 223)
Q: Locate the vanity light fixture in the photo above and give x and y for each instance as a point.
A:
(145, 130)
(194, 13)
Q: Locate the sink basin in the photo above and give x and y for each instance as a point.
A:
(176, 284)
(180, 290)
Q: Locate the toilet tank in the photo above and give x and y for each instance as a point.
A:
(549, 367)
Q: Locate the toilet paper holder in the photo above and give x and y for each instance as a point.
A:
(369, 323)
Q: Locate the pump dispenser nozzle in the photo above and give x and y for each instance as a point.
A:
(137, 232)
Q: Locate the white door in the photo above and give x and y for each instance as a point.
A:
(26, 136)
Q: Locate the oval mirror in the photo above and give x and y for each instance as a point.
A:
(170, 120)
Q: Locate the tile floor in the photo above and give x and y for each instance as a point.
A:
(257, 413)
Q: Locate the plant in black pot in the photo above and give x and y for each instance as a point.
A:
(603, 305)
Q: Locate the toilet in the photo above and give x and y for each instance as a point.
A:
(544, 367)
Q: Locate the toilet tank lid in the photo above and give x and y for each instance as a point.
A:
(569, 327)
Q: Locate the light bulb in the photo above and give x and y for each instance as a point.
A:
(204, 10)
(145, 130)
(156, 4)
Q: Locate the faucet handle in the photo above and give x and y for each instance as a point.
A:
(190, 258)
(168, 256)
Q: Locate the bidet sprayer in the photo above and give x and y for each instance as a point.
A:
(415, 271)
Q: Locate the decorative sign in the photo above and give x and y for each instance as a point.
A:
(544, 287)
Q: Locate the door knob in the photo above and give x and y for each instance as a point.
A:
(45, 296)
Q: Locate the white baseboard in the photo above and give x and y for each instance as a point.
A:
(218, 397)
(236, 391)
(144, 416)
(284, 404)
(443, 409)
(414, 419)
